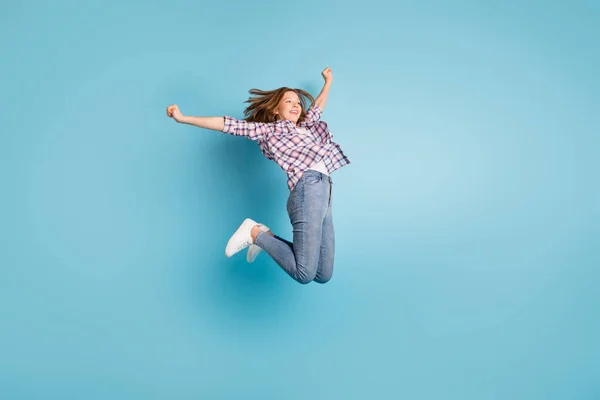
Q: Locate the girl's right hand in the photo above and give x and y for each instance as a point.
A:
(327, 75)
(173, 112)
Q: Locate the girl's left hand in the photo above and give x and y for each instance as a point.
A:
(327, 74)
(173, 112)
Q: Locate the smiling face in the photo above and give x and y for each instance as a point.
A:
(289, 107)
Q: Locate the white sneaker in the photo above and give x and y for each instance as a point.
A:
(254, 250)
(241, 238)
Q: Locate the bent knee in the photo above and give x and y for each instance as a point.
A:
(304, 280)
(305, 276)
(323, 279)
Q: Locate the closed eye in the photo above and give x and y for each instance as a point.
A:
(289, 101)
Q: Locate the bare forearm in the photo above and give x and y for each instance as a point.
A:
(214, 123)
(321, 99)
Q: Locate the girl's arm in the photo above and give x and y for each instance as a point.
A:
(226, 124)
(214, 123)
(321, 99)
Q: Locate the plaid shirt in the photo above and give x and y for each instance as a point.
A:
(293, 152)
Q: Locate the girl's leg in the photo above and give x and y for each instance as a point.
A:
(325, 266)
(307, 207)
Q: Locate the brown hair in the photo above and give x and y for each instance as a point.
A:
(264, 103)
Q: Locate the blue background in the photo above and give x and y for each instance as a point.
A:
(467, 225)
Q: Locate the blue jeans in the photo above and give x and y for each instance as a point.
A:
(310, 256)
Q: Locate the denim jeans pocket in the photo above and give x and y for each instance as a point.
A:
(311, 178)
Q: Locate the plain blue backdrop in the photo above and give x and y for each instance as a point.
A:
(467, 225)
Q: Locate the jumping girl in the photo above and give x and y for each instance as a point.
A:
(296, 138)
